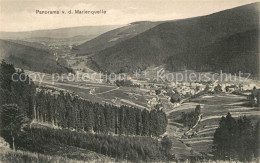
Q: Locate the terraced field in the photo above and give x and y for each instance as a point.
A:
(213, 107)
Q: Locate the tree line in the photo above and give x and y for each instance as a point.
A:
(120, 147)
(68, 111)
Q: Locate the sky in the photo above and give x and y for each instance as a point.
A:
(20, 15)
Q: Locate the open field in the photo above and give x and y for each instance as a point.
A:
(99, 92)
(213, 107)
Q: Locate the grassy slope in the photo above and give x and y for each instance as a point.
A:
(8, 155)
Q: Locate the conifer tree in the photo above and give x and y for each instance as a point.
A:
(12, 121)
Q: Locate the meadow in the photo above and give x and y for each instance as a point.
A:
(213, 107)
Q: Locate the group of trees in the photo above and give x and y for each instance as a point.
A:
(190, 119)
(236, 139)
(133, 148)
(16, 91)
(16, 101)
(69, 111)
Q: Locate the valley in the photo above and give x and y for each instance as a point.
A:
(147, 91)
(195, 142)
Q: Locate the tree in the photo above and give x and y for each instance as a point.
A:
(256, 140)
(158, 91)
(224, 138)
(146, 123)
(175, 98)
(153, 123)
(244, 145)
(162, 122)
(6, 72)
(218, 89)
(206, 88)
(166, 144)
(254, 92)
(197, 109)
(139, 126)
(12, 121)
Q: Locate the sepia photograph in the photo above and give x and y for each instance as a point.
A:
(129, 81)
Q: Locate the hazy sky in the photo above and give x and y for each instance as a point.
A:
(20, 15)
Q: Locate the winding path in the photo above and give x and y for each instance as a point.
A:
(90, 92)
(194, 125)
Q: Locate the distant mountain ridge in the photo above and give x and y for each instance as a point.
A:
(169, 41)
(60, 33)
(30, 50)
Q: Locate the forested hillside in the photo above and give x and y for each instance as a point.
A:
(238, 52)
(185, 40)
(113, 37)
(30, 58)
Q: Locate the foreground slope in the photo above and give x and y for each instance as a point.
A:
(173, 39)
